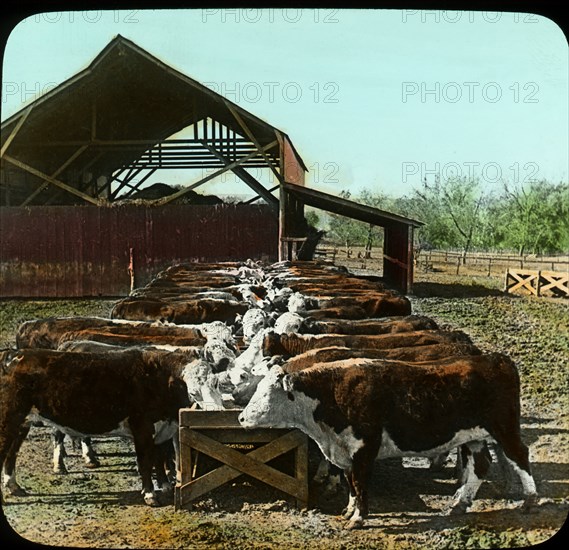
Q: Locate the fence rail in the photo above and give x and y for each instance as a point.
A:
(489, 262)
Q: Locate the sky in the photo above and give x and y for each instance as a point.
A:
(371, 99)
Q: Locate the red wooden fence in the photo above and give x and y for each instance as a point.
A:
(74, 251)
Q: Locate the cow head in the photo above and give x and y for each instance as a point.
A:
(253, 321)
(275, 403)
(202, 385)
(217, 330)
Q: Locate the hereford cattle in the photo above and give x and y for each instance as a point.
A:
(288, 322)
(252, 322)
(183, 312)
(350, 312)
(359, 410)
(245, 389)
(86, 394)
(293, 344)
(411, 353)
(49, 333)
(383, 325)
(374, 304)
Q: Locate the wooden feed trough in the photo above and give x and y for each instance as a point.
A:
(215, 434)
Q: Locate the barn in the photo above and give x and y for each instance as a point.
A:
(76, 218)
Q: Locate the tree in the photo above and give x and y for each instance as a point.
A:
(533, 217)
(352, 232)
(312, 218)
(344, 230)
(452, 212)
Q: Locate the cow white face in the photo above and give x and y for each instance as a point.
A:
(276, 404)
(217, 330)
(254, 321)
(297, 303)
(268, 406)
(288, 323)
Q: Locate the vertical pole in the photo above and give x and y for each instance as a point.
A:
(282, 225)
(131, 268)
(410, 260)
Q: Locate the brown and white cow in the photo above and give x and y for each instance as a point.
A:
(359, 410)
(294, 344)
(191, 311)
(383, 325)
(85, 394)
(51, 332)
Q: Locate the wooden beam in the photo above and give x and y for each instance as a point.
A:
(410, 259)
(44, 183)
(93, 121)
(283, 246)
(133, 188)
(252, 137)
(51, 180)
(16, 129)
(251, 201)
(252, 182)
(186, 190)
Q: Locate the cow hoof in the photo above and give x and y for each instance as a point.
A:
(60, 471)
(529, 503)
(16, 492)
(457, 509)
(151, 500)
(93, 464)
(354, 524)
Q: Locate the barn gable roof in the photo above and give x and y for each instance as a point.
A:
(121, 105)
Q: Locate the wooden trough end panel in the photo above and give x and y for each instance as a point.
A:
(537, 283)
(212, 432)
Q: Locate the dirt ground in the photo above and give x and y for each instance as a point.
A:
(102, 508)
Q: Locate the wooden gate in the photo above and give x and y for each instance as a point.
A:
(213, 433)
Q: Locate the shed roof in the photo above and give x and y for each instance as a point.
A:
(125, 97)
(348, 208)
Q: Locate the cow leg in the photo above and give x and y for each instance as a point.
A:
(359, 476)
(506, 470)
(517, 456)
(161, 458)
(59, 453)
(475, 459)
(9, 464)
(89, 455)
(142, 432)
(348, 512)
(438, 462)
(322, 472)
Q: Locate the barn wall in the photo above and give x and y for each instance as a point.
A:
(61, 251)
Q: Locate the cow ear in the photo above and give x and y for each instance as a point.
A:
(288, 383)
(288, 386)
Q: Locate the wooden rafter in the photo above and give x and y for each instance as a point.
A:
(133, 188)
(251, 201)
(44, 183)
(252, 182)
(252, 137)
(217, 173)
(15, 130)
(51, 180)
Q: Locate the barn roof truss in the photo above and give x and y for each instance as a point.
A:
(66, 146)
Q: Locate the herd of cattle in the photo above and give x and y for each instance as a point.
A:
(293, 344)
